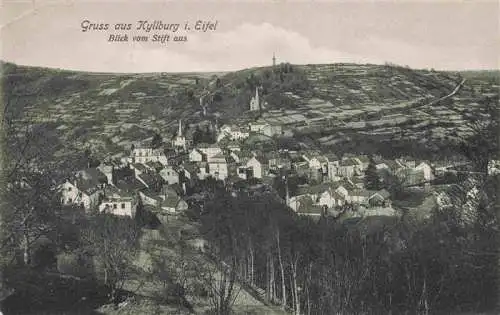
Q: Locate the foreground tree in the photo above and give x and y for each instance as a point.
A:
(112, 241)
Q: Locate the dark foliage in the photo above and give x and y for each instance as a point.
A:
(380, 266)
(372, 178)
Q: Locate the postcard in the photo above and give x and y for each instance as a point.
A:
(249, 157)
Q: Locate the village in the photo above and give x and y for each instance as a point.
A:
(159, 175)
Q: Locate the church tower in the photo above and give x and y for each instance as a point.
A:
(255, 102)
(274, 60)
(179, 142)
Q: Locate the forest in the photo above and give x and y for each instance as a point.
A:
(377, 266)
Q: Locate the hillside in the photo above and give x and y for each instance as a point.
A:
(326, 105)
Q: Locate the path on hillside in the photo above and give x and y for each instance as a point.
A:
(455, 91)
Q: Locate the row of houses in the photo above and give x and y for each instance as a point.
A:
(316, 199)
(102, 189)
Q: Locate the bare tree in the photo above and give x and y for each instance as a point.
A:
(282, 271)
(220, 279)
(112, 241)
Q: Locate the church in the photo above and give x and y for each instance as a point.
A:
(256, 103)
(179, 142)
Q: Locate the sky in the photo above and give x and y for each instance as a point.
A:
(444, 35)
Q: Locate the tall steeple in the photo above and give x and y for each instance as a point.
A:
(179, 133)
(274, 59)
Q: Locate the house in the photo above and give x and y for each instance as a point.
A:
(151, 198)
(316, 161)
(154, 166)
(359, 196)
(203, 170)
(380, 198)
(151, 180)
(170, 174)
(138, 168)
(146, 153)
(277, 163)
(241, 156)
(197, 155)
(326, 194)
(107, 170)
(258, 165)
(363, 161)
(173, 204)
(463, 197)
(306, 207)
(209, 149)
(217, 166)
(301, 168)
(332, 167)
(358, 182)
(411, 176)
(84, 188)
(266, 128)
(118, 202)
(191, 170)
(294, 202)
(348, 168)
(394, 167)
(233, 133)
(340, 189)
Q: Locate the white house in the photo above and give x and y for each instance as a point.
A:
(87, 198)
(173, 205)
(316, 161)
(144, 154)
(119, 203)
(333, 167)
(217, 166)
(266, 128)
(84, 189)
(197, 155)
(359, 196)
(107, 170)
(348, 168)
(258, 166)
(170, 174)
(233, 132)
(210, 150)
